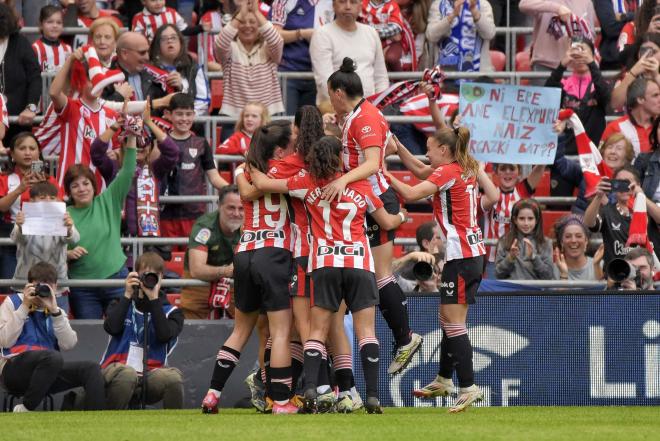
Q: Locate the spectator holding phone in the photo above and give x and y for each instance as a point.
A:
(644, 61)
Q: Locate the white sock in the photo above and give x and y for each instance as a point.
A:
(354, 392)
(216, 393)
(324, 389)
(345, 393)
(21, 408)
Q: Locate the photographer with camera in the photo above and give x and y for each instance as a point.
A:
(124, 359)
(416, 268)
(633, 272)
(33, 330)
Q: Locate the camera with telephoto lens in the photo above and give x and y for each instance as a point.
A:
(42, 290)
(149, 279)
(620, 270)
(422, 271)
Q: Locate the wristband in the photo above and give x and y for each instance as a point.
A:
(402, 216)
(56, 314)
(238, 171)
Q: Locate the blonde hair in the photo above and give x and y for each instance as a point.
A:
(458, 141)
(105, 21)
(265, 116)
(613, 139)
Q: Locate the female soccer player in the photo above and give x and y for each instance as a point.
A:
(364, 137)
(340, 260)
(453, 180)
(262, 267)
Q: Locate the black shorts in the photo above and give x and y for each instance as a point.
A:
(376, 235)
(460, 280)
(332, 285)
(261, 279)
(300, 280)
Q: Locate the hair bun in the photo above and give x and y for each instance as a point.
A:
(348, 65)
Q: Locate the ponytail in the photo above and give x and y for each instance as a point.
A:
(309, 122)
(458, 141)
(264, 142)
(324, 160)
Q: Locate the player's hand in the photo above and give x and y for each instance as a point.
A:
(514, 252)
(392, 147)
(529, 248)
(333, 190)
(76, 253)
(560, 261)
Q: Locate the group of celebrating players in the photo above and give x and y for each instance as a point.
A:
(323, 206)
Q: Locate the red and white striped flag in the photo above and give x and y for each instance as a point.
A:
(638, 232)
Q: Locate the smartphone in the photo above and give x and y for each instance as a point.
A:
(646, 51)
(619, 185)
(37, 167)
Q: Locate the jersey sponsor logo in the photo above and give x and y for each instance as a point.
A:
(253, 236)
(474, 238)
(616, 227)
(89, 133)
(373, 360)
(313, 353)
(620, 249)
(187, 165)
(340, 250)
(366, 129)
(203, 236)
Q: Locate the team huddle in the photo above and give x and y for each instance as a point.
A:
(317, 240)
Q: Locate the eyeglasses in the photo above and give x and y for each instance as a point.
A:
(169, 39)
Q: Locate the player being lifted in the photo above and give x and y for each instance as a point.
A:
(453, 179)
(340, 262)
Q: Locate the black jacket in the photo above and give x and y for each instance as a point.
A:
(21, 75)
(610, 29)
(167, 328)
(149, 87)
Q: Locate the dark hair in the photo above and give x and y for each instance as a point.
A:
(8, 21)
(43, 188)
(309, 122)
(325, 162)
(76, 171)
(264, 142)
(537, 234)
(346, 79)
(584, 40)
(630, 169)
(643, 17)
(458, 141)
(425, 232)
(633, 51)
(653, 136)
(17, 140)
(636, 90)
(224, 191)
(181, 101)
(150, 260)
(565, 221)
(48, 11)
(182, 62)
(42, 272)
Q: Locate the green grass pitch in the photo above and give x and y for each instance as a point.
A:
(421, 424)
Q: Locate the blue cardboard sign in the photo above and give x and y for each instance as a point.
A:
(510, 124)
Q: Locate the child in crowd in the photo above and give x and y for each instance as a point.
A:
(195, 163)
(51, 51)
(155, 14)
(524, 253)
(51, 249)
(252, 116)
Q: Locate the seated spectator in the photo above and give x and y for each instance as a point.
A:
(123, 371)
(32, 249)
(210, 257)
(613, 219)
(415, 15)
(643, 61)
(642, 106)
(524, 253)
(155, 14)
(250, 49)
(548, 49)
(168, 52)
(645, 22)
(99, 254)
(33, 331)
(570, 256)
(21, 76)
(334, 41)
(585, 91)
(253, 116)
(462, 30)
(642, 260)
(613, 17)
(194, 165)
(83, 14)
(50, 50)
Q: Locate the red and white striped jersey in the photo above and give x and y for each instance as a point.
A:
(237, 144)
(214, 19)
(364, 127)
(418, 105)
(497, 220)
(299, 219)
(339, 237)
(147, 23)
(51, 56)
(4, 116)
(85, 22)
(388, 12)
(79, 126)
(267, 222)
(10, 182)
(455, 210)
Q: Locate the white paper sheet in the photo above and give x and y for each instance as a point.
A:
(44, 219)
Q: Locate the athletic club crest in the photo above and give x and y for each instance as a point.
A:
(193, 152)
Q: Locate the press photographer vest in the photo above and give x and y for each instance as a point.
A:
(37, 333)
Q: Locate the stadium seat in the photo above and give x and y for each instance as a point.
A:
(175, 264)
(543, 189)
(498, 60)
(549, 219)
(227, 176)
(216, 95)
(174, 299)
(523, 64)
(2, 298)
(409, 227)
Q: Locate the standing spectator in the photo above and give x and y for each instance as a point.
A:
(642, 24)
(51, 51)
(99, 254)
(155, 14)
(250, 49)
(20, 81)
(571, 260)
(253, 116)
(334, 41)
(462, 29)
(547, 50)
(524, 253)
(189, 176)
(168, 52)
(613, 16)
(104, 33)
(210, 257)
(123, 374)
(506, 13)
(643, 61)
(415, 14)
(296, 20)
(33, 331)
(83, 14)
(642, 106)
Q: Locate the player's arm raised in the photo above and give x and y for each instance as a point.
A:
(491, 191)
(410, 161)
(409, 194)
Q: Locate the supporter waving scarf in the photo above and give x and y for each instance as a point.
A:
(403, 90)
(637, 234)
(463, 46)
(591, 161)
(576, 27)
(159, 76)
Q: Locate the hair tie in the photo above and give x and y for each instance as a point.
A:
(456, 130)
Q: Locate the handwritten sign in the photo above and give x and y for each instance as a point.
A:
(44, 219)
(510, 124)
